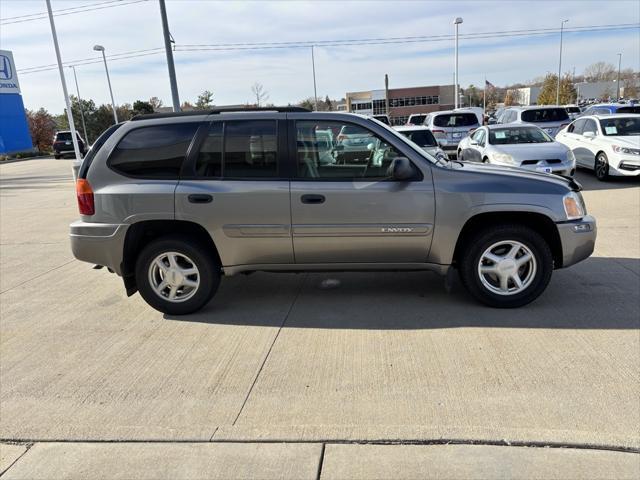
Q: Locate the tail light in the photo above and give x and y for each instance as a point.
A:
(84, 193)
(439, 133)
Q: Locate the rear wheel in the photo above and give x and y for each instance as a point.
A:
(57, 157)
(601, 167)
(506, 266)
(176, 275)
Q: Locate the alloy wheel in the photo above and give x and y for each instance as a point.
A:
(507, 267)
(174, 277)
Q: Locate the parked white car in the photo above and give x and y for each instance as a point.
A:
(423, 137)
(608, 144)
(517, 145)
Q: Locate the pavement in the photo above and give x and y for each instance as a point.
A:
(286, 376)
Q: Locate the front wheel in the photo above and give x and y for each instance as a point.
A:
(176, 275)
(507, 266)
(601, 167)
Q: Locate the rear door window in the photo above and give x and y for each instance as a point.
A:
(153, 152)
(239, 149)
(456, 120)
(544, 115)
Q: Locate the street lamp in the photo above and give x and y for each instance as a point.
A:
(100, 48)
(618, 87)
(84, 126)
(456, 22)
(560, 63)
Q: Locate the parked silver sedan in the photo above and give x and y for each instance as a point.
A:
(524, 146)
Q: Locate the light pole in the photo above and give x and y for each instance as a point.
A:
(100, 48)
(84, 126)
(619, 64)
(456, 22)
(313, 66)
(72, 127)
(560, 63)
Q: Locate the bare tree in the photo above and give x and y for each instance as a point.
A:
(155, 102)
(260, 93)
(600, 72)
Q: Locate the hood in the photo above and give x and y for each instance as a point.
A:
(533, 151)
(632, 141)
(489, 169)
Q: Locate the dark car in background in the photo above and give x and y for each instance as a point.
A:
(63, 144)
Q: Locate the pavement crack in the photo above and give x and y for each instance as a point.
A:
(264, 361)
(27, 447)
(320, 463)
(37, 276)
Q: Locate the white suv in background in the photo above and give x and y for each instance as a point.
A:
(608, 144)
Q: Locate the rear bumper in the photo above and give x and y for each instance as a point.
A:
(578, 239)
(98, 243)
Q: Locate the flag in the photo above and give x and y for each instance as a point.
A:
(488, 84)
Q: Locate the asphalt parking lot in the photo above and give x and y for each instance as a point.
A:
(283, 377)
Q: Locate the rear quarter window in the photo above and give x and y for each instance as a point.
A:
(544, 115)
(154, 151)
(456, 120)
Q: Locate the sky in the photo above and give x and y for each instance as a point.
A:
(286, 73)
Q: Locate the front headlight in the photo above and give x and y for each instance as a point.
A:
(502, 158)
(571, 157)
(626, 150)
(574, 206)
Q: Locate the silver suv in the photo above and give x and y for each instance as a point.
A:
(550, 118)
(172, 202)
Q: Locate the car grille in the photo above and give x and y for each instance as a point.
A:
(550, 161)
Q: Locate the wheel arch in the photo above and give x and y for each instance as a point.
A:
(140, 234)
(537, 221)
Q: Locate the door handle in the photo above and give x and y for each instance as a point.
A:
(200, 198)
(312, 199)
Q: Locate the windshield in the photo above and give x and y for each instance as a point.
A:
(545, 115)
(456, 120)
(63, 136)
(620, 127)
(417, 119)
(507, 136)
(629, 109)
(422, 138)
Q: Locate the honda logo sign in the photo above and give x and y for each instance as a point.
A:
(8, 77)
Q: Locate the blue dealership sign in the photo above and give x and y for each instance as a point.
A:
(14, 129)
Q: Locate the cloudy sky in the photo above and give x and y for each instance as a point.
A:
(135, 26)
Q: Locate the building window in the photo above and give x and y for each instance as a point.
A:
(379, 107)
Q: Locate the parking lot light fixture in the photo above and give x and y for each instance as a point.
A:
(560, 63)
(456, 22)
(100, 48)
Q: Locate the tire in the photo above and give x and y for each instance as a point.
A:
(57, 157)
(187, 255)
(601, 167)
(485, 160)
(483, 287)
(459, 156)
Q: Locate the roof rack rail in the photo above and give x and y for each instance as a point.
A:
(149, 116)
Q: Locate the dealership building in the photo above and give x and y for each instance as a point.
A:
(14, 130)
(401, 102)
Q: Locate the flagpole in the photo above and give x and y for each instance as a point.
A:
(484, 96)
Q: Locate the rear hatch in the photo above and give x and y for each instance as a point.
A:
(551, 120)
(453, 127)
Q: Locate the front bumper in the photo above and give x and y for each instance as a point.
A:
(578, 239)
(626, 167)
(98, 243)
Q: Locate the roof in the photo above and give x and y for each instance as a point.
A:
(409, 128)
(611, 115)
(215, 111)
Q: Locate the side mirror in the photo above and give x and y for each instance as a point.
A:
(401, 169)
(473, 142)
(589, 134)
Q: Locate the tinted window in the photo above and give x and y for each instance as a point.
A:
(545, 115)
(508, 136)
(417, 119)
(456, 120)
(572, 109)
(245, 149)
(626, 126)
(155, 152)
(629, 109)
(423, 138)
(359, 155)
(589, 126)
(97, 145)
(577, 126)
(63, 136)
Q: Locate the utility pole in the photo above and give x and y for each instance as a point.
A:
(172, 68)
(72, 127)
(618, 87)
(560, 63)
(84, 125)
(386, 95)
(313, 67)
